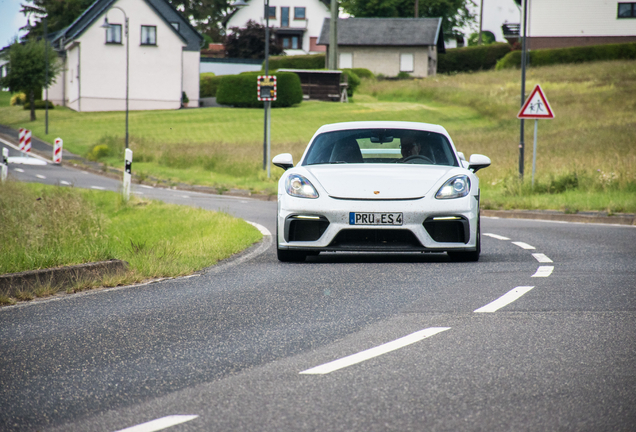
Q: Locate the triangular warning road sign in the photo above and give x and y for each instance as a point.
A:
(536, 106)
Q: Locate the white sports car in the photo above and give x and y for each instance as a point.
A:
(380, 187)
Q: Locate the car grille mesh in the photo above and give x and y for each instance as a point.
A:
(376, 239)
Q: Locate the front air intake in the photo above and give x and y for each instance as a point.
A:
(448, 230)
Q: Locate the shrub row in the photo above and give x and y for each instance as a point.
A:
(469, 59)
(39, 104)
(543, 57)
(314, 61)
(241, 90)
(208, 85)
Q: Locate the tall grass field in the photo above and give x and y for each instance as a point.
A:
(47, 226)
(586, 158)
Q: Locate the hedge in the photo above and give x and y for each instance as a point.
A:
(362, 72)
(471, 59)
(240, 90)
(208, 85)
(352, 79)
(39, 104)
(543, 57)
(313, 61)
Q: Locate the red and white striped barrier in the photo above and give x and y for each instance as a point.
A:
(25, 140)
(57, 150)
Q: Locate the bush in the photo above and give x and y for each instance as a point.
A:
(240, 90)
(363, 73)
(471, 59)
(18, 99)
(353, 80)
(314, 61)
(543, 57)
(208, 85)
(39, 104)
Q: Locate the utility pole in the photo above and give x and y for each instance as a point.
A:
(333, 36)
(46, 79)
(523, 86)
(481, 16)
(417, 8)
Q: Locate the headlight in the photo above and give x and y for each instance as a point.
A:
(456, 187)
(298, 186)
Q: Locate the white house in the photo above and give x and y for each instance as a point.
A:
(164, 53)
(566, 23)
(388, 46)
(296, 23)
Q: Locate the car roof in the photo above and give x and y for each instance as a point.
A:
(382, 125)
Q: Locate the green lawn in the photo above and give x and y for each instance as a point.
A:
(591, 139)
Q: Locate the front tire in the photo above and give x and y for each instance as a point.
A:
(472, 256)
(288, 255)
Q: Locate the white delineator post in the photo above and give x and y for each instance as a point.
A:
(57, 150)
(128, 174)
(4, 169)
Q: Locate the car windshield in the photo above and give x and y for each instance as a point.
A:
(381, 146)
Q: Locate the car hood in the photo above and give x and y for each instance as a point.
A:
(378, 181)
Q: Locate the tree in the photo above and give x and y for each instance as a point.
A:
(59, 13)
(27, 69)
(487, 38)
(207, 16)
(455, 14)
(249, 42)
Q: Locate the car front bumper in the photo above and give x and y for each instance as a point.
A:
(429, 224)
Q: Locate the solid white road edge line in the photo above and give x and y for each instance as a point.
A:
(20, 170)
(159, 424)
(542, 258)
(523, 245)
(33, 155)
(543, 271)
(496, 236)
(261, 228)
(374, 352)
(505, 299)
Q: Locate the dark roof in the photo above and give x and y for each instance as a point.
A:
(384, 31)
(167, 12)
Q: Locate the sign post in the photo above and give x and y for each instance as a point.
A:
(536, 107)
(266, 92)
(57, 151)
(5, 164)
(128, 174)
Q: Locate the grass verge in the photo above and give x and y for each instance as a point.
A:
(47, 226)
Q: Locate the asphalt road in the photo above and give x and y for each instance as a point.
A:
(539, 335)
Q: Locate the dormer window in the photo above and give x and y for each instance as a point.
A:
(149, 35)
(113, 34)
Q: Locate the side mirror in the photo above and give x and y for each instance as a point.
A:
(284, 161)
(478, 162)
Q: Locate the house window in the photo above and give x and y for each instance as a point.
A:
(406, 62)
(346, 61)
(148, 35)
(272, 12)
(175, 25)
(284, 17)
(113, 34)
(627, 10)
(299, 13)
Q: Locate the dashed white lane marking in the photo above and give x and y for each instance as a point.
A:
(543, 271)
(523, 245)
(374, 352)
(64, 182)
(40, 176)
(146, 187)
(18, 170)
(159, 424)
(541, 258)
(98, 187)
(505, 299)
(496, 236)
(185, 196)
(261, 228)
(137, 193)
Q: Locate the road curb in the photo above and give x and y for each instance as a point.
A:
(587, 217)
(12, 283)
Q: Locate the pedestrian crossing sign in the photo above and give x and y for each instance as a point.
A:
(536, 106)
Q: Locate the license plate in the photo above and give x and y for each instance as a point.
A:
(375, 218)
